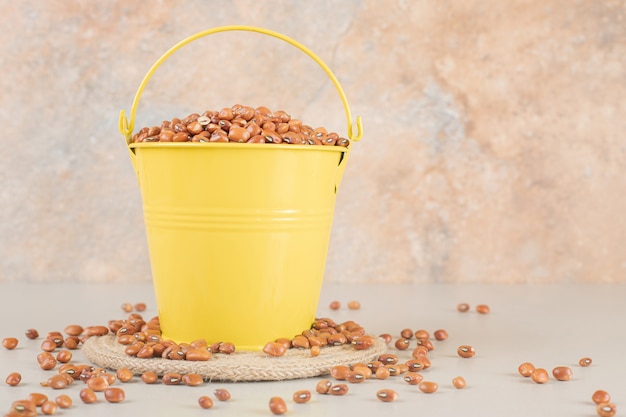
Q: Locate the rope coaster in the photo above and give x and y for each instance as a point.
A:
(239, 366)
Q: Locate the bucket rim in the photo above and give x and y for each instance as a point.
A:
(235, 145)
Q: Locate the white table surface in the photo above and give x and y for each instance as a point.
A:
(548, 325)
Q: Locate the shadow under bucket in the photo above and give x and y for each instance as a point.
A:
(238, 236)
(238, 233)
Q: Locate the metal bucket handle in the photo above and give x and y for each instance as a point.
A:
(126, 126)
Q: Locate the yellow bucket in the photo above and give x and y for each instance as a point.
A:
(237, 232)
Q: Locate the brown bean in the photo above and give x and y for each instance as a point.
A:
(356, 376)
(382, 373)
(418, 364)
(402, 344)
(330, 139)
(282, 128)
(197, 354)
(145, 351)
(342, 142)
(37, 398)
(205, 402)
(293, 138)
(335, 305)
(238, 134)
(194, 128)
(277, 405)
(465, 351)
(227, 348)
(339, 389)
(600, 396)
(14, 379)
(166, 135)
(257, 139)
(192, 380)
(426, 343)
(606, 409)
(422, 335)
(72, 342)
(32, 334)
(63, 401)
(367, 372)
(394, 370)
(362, 342)
(271, 136)
(300, 342)
(428, 387)
(64, 356)
(337, 339)
(222, 394)
(463, 307)
(526, 369)
(255, 130)
(48, 345)
(584, 362)
(171, 378)
(226, 114)
(386, 395)
(420, 352)
(285, 342)
(114, 395)
(10, 342)
(225, 125)
(413, 378)
(49, 408)
(301, 397)
(340, 372)
(180, 137)
(173, 352)
(315, 351)
(459, 382)
(59, 381)
(56, 338)
(354, 305)
(540, 376)
(440, 334)
(274, 349)
(323, 386)
(74, 330)
(22, 408)
(388, 338)
(46, 361)
(98, 383)
(388, 359)
(406, 333)
(124, 374)
(562, 373)
(483, 309)
(70, 370)
(126, 339)
(95, 331)
(149, 377)
(88, 396)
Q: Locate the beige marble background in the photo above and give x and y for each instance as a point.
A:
(494, 146)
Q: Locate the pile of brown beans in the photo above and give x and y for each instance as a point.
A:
(239, 123)
(389, 365)
(143, 340)
(602, 399)
(137, 334)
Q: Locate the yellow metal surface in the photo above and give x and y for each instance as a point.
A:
(238, 236)
(238, 233)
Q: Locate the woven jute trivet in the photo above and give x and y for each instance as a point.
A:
(239, 366)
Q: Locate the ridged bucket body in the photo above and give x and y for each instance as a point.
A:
(238, 236)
